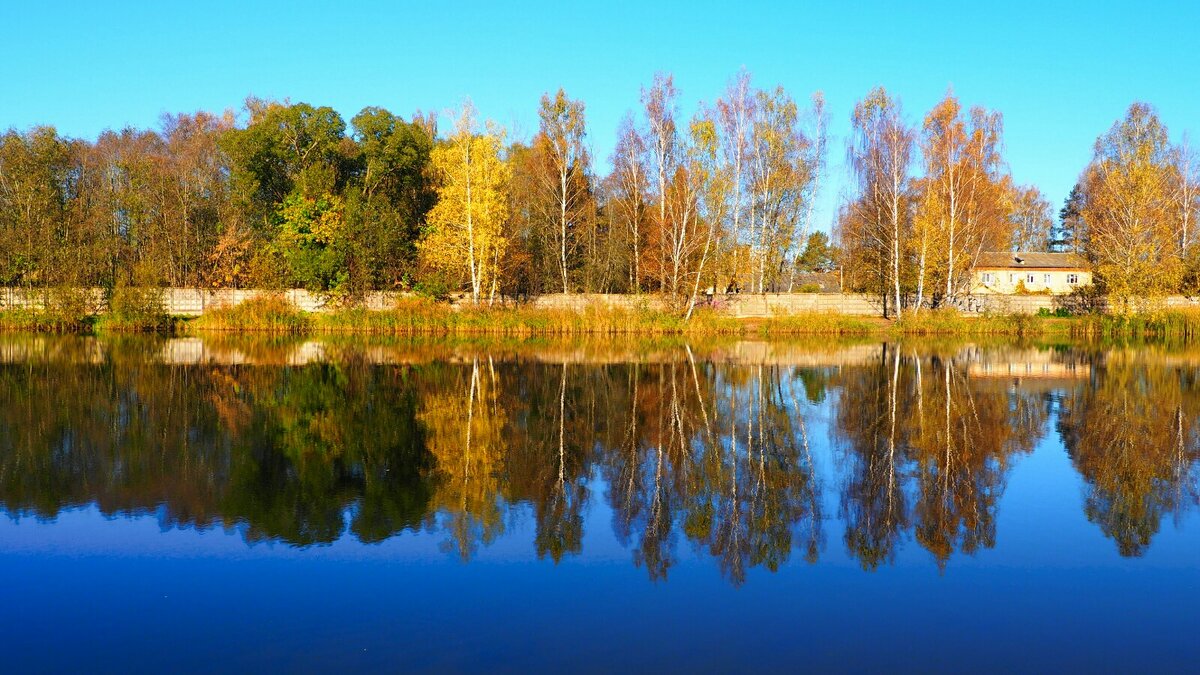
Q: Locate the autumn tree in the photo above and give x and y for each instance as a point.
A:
(875, 224)
(963, 196)
(626, 189)
(467, 230)
(1032, 222)
(712, 183)
(1186, 184)
(1133, 220)
(782, 166)
(563, 205)
(736, 110)
(196, 193)
(662, 147)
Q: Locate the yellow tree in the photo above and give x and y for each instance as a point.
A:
(468, 225)
(964, 195)
(875, 226)
(928, 231)
(562, 179)
(712, 182)
(1031, 219)
(1132, 218)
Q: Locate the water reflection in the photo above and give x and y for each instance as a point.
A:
(927, 448)
(1132, 434)
(713, 450)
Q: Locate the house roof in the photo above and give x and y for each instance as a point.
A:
(1031, 260)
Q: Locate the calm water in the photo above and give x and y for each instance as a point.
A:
(230, 505)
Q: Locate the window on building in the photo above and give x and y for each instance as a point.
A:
(1072, 279)
(1010, 278)
(1046, 279)
(1029, 278)
(987, 277)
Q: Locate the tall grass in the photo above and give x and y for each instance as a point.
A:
(266, 313)
(42, 321)
(953, 322)
(419, 316)
(131, 311)
(1179, 324)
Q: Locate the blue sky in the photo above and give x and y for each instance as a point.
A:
(1060, 72)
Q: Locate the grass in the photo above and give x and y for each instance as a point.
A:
(268, 313)
(425, 317)
(41, 321)
(952, 322)
(418, 316)
(138, 311)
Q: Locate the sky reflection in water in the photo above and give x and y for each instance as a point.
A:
(331, 505)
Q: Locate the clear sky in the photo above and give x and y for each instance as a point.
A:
(1060, 72)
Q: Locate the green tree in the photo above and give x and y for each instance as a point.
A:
(35, 191)
(1070, 233)
(818, 255)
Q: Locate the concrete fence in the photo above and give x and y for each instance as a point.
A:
(195, 301)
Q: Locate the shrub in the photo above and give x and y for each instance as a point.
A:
(135, 310)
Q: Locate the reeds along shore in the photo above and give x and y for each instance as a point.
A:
(132, 313)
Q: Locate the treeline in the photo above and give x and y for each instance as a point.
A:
(930, 198)
(296, 197)
(290, 195)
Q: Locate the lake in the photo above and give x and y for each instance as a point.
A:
(236, 504)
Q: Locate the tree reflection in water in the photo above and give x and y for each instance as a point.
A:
(683, 449)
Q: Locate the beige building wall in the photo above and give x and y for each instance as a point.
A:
(1002, 281)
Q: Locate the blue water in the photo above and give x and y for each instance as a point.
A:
(113, 574)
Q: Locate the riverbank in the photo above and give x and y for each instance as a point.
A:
(426, 317)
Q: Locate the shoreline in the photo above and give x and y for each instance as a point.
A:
(429, 318)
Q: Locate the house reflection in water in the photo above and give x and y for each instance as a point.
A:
(1031, 368)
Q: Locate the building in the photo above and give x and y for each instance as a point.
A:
(817, 282)
(1007, 273)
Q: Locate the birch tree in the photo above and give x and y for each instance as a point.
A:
(961, 195)
(660, 107)
(561, 166)
(780, 174)
(1133, 220)
(736, 111)
(1032, 222)
(627, 186)
(816, 168)
(468, 225)
(713, 181)
(1187, 190)
(876, 223)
